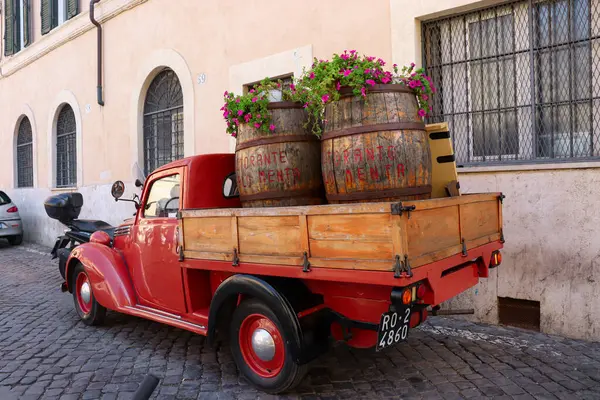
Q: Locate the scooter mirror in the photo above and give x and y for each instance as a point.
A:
(117, 190)
(138, 183)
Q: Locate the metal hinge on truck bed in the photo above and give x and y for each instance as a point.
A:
(402, 269)
(399, 208)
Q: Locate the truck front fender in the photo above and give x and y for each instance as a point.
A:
(108, 274)
(229, 291)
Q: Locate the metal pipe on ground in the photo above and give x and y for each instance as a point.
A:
(146, 388)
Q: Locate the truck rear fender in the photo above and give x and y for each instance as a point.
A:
(108, 274)
(226, 297)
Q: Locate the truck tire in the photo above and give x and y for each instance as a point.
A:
(260, 349)
(15, 240)
(88, 309)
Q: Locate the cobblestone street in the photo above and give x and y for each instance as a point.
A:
(45, 352)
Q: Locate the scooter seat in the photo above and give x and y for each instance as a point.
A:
(90, 226)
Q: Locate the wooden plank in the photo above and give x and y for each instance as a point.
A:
(433, 230)
(235, 238)
(304, 235)
(479, 219)
(338, 209)
(270, 236)
(441, 173)
(208, 234)
(355, 249)
(368, 227)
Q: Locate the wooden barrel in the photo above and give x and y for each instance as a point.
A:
(375, 150)
(280, 168)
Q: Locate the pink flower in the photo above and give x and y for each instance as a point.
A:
(292, 87)
(312, 75)
(256, 125)
(363, 91)
(252, 91)
(432, 89)
(223, 108)
(347, 72)
(337, 85)
(370, 82)
(370, 58)
(412, 84)
(225, 94)
(258, 116)
(254, 99)
(422, 113)
(247, 117)
(272, 127)
(305, 105)
(367, 71)
(395, 65)
(385, 79)
(237, 100)
(226, 114)
(424, 97)
(345, 56)
(380, 62)
(412, 65)
(352, 51)
(325, 98)
(236, 121)
(240, 113)
(278, 84)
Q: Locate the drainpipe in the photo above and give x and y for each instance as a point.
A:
(97, 24)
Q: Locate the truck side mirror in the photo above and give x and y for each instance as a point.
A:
(117, 190)
(230, 189)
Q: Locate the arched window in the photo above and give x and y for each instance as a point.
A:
(25, 154)
(66, 148)
(163, 121)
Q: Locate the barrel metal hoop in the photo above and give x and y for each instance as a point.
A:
(274, 195)
(392, 126)
(284, 104)
(384, 88)
(380, 194)
(275, 140)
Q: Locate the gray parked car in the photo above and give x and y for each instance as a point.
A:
(11, 227)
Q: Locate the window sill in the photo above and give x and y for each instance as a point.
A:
(529, 167)
(63, 189)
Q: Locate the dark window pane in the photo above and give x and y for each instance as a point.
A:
(25, 154)
(66, 148)
(163, 121)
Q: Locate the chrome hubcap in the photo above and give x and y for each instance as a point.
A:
(263, 344)
(85, 292)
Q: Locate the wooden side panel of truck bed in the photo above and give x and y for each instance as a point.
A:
(365, 236)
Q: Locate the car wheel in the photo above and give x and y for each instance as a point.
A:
(15, 240)
(260, 349)
(89, 310)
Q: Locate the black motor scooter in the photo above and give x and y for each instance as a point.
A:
(66, 207)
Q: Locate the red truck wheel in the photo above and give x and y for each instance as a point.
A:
(88, 309)
(260, 349)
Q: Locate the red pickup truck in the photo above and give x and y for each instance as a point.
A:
(281, 282)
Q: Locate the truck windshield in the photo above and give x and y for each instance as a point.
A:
(4, 199)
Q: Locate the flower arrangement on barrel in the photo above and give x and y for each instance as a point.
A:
(366, 125)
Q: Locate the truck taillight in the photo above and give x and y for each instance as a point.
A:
(496, 259)
(13, 209)
(407, 296)
(421, 291)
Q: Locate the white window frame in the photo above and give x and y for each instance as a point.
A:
(62, 12)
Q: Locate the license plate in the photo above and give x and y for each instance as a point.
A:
(393, 328)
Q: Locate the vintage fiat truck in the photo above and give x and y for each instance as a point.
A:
(281, 282)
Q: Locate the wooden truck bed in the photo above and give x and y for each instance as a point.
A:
(366, 236)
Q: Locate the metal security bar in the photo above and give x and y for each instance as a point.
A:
(163, 121)
(25, 154)
(518, 82)
(66, 148)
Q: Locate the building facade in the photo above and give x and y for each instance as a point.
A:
(518, 84)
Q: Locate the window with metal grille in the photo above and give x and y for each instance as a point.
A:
(66, 148)
(24, 154)
(163, 121)
(518, 82)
